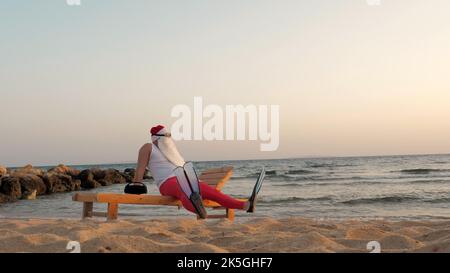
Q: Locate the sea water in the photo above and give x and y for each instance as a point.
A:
(391, 187)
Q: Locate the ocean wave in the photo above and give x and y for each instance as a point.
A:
(288, 178)
(383, 199)
(302, 175)
(322, 178)
(322, 184)
(439, 200)
(299, 172)
(423, 171)
(254, 175)
(268, 173)
(349, 182)
(329, 165)
(395, 199)
(357, 201)
(293, 199)
(238, 177)
(289, 185)
(276, 175)
(443, 181)
(316, 179)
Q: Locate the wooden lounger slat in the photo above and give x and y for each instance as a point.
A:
(211, 182)
(85, 197)
(135, 199)
(217, 176)
(218, 170)
(213, 179)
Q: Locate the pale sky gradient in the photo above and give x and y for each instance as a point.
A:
(83, 84)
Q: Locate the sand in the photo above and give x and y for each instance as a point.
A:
(255, 235)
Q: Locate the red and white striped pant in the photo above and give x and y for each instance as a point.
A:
(170, 187)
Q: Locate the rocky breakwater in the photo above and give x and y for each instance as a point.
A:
(29, 182)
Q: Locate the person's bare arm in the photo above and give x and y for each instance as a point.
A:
(143, 159)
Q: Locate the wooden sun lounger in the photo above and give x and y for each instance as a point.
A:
(215, 177)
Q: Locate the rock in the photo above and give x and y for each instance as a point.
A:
(128, 174)
(147, 175)
(63, 169)
(105, 182)
(58, 182)
(86, 175)
(90, 184)
(112, 176)
(29, 195)
(28, 169)
(130, 171)
(87, 180)
(76, 185)
(3, 171)
(6, 198)
(10, 186)
(30, 183)
(98, 173)
(128, 177)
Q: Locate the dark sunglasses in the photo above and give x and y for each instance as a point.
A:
(165, 135)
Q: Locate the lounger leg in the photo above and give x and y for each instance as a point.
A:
(87, 209)
(113, 210)
(230, 214)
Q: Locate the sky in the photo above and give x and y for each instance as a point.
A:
(83, 84)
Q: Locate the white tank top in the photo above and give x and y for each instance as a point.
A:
(160, 167)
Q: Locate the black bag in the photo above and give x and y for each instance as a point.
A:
(135, 188)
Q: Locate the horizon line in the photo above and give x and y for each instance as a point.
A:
(260, 159)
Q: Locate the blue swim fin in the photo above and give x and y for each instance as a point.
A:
(256, 190)
(188, 180)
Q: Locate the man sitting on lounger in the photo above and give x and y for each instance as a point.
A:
(162, 158)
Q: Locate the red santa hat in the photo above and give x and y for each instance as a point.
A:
(159, 129)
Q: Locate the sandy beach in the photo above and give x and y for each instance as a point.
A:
(256, 235)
